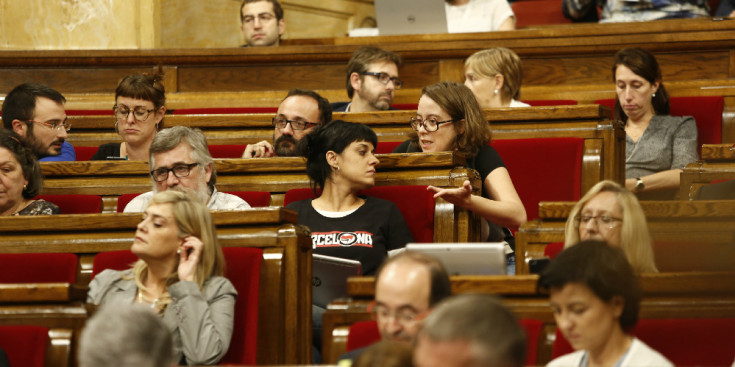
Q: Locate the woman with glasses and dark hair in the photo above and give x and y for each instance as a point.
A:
(612, 214)
(658, 146)
(139, 110)
(595, 298)
(20, 179)
(179, 275)
(340, 162)
(450, 119)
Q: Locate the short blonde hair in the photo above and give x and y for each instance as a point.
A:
(499, 60)
(193, 219)
(635, 239)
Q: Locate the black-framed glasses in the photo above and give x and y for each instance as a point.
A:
(601, 220)
(140, 113)
(429, 124)
(57, 125)
(281, 123)
(179, 170)
(384, 78)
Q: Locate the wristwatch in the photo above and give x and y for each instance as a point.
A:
(639, 185)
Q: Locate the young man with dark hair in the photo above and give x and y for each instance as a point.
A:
(372, 78)
(262, 22)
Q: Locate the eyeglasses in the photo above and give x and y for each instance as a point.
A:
(384, 78)
(140, 113)
(281, 123)
(601, 220)
(403, 317)
(430, 124)
(179, 170)
(58, 125)
(263, 17)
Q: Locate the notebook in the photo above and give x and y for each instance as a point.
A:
(471, 258)
(329, 278)
(410, 17)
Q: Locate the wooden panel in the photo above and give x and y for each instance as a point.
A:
(717, 164)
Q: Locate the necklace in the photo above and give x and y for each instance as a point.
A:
(142, 300)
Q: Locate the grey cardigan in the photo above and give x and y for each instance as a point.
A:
(669, 142)
(200, 321)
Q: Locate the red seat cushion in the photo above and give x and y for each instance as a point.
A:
(38, 268)
(226, 151)
(532, 328)
(415, 203)
(25, 345)
(405, 106)
(243, 270)
(75, 203)
(89, 112)
(362, 334)
(543, 169)
(85, 153)
(553, 249)
(123, 200)
(551, 102)
(254, 198)
(223, 110)
(115, 260)
(386, 147)
(691, 342)
(707, 112)
(538, 12)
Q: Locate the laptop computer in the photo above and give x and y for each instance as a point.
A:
(410, 17)
(471, 258)
(329, 278)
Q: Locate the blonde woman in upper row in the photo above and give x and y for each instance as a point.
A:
(494, 77)
(612, 214)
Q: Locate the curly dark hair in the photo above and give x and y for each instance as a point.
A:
(23, 154)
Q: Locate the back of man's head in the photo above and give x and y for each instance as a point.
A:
(361, 60)
(20, 103)
(438, 277)
(125, 335)
(325, 108)
(487, 332)
(170, 138)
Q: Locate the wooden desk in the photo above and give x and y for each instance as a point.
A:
(711, 222)
(284, 331)
(666, 295)
(717, 163)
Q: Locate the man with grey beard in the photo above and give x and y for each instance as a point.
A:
(180, 160)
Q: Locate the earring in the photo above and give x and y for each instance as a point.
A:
(25, 187)
(496, 91)
(653, 95)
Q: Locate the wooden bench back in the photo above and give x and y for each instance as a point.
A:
(717, 163)
(284, 328)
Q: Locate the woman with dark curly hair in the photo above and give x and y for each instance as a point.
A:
(20, 179)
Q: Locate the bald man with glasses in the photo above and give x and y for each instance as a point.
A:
(180, 160)
(36, 113)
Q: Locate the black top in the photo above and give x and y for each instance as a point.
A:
(365, 235)
(107, 152)
(39, 207)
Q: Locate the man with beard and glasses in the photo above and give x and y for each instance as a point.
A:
(36, 113)
(180, 160)
(372, 79)
(297, 115)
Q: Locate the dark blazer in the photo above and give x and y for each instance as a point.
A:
(719, 191)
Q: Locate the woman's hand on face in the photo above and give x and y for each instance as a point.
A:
(460, 196)
(189, 254)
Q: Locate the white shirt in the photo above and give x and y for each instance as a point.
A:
(639, 355)
(217, 201)
(514, 103)
(477, 16)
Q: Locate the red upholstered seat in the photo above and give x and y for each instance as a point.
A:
(538, 12)
(75, 203)
(85, 153)
(415, 203)
(685, 342)
(243, 270)
(89, 112)
(25, 345)
(543, 169)
(226, 151)
(38, 268)
(223, 110)
(386, 147)
(365, 333)
(254, 198)
(405, 106)
(553, 249)
(707, 112)
(551, 102)
(115, 260)
(123, 201)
